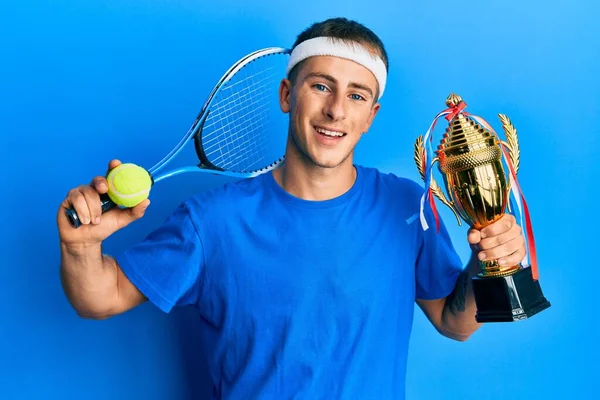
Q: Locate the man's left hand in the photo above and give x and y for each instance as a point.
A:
(502, 240)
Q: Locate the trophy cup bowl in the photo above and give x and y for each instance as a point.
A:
(470, 160)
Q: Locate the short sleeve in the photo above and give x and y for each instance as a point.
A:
(438, 264)
(166, 266)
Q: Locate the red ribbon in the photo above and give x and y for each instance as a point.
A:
(529, 229)
(435, 212)
(457, 109)
(430, 192)
(452, 112)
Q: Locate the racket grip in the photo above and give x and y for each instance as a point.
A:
(106, 204)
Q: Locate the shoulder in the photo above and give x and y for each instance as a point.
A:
(226, 197)
(391, 182)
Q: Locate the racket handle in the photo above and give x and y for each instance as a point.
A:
(73, 218)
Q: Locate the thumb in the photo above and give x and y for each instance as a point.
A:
(474, 236)
(132, 214)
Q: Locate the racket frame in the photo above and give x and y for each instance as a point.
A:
(193, 132)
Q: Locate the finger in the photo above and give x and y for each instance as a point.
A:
(139, 210)
(77, 200)
(113, 164)
(513, 259)
(129, 215)
(100, 184)
(503, 251)
(474, 236)
(499, 240)
(92, 198)
(498, 227)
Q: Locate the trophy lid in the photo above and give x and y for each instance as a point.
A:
(453, 100)
(463, 134)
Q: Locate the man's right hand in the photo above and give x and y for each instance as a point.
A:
(96, 227)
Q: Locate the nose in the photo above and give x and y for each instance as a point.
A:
(335, 108)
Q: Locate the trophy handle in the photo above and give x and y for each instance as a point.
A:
(512, 141)
(435, 188)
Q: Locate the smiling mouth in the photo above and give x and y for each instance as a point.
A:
(329, 133)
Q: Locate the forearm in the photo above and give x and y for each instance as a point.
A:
(89, 279)
(458, 315)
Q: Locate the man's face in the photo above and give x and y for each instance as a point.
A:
(331, 104)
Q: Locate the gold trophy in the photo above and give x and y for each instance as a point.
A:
(470, 161)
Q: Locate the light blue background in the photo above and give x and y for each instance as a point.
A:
(84, 82)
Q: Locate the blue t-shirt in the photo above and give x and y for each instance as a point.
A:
(299, 299)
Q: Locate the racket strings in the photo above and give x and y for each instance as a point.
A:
(235, 96)
(236, 134)
(252, 113)
(258, 144)
(235, 118)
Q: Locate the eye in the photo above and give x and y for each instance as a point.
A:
(320, 87)
(357, 97)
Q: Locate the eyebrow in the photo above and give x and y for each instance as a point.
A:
(333, 80)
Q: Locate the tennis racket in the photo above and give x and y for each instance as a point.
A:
(240, 129)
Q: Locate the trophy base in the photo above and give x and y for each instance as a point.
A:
(508, 298)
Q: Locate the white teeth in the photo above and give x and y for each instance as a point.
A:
(329, 133)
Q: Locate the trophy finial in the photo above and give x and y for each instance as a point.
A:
(453, 100)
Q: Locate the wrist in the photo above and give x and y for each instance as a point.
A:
(81, 249)
(474, 265)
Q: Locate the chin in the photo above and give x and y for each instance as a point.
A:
(326, 164)
(316, 155)
(329, 162)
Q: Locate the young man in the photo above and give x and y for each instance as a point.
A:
(305, 279)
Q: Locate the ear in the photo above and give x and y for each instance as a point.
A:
(374, 111)
(285, 88)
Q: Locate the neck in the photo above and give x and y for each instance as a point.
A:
(308, 181)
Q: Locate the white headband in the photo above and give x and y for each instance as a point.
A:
(325, 46)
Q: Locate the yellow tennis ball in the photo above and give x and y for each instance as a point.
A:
(128, 185)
